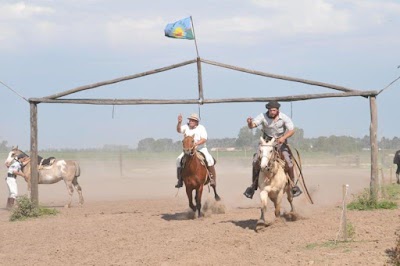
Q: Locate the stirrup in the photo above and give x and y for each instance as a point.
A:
(249, 193)
(179, 184)
(296, 191)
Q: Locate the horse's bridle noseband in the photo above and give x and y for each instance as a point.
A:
(191, 149)
(272, 159)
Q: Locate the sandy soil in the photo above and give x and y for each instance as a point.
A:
(139, 218)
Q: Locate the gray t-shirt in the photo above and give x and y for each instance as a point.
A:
(273, 128)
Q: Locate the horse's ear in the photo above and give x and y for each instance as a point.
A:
(272, 140)
(262, 140)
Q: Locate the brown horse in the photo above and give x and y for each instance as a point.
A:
(195, 174)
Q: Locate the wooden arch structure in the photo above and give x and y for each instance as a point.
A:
(345, 92)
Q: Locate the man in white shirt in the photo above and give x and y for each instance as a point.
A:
(199, 133)
(274, 125)
(14, 169)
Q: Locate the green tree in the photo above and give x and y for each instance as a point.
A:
(245, 138)
(146, 144)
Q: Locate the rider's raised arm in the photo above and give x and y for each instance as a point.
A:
(250, 123)
(179, 125)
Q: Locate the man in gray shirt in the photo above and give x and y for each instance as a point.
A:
(274, 125)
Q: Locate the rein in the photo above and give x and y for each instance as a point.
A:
(25, 163)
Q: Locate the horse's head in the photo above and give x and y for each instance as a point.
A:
(266, 152)
(188, 145)
(13, 154)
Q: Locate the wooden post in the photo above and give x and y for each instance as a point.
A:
(374, 148)
(383, 180)
(344, 221)
(200, 80)
(34, 155)
(120, 162)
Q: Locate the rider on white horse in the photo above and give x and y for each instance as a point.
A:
(274, 125)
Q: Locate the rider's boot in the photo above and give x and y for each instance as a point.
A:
(212, 174)
(179, 176)
(296, 191)
(249, 193)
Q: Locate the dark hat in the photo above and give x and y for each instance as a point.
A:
(273, 104)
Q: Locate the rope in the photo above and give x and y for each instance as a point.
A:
(113, 110)
(390, 84)
(8, 87)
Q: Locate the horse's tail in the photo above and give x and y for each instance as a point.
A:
(77, 169)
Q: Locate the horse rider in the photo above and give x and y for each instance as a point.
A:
(275, 124)
(199, 133)
(396, 160)
(13, 170)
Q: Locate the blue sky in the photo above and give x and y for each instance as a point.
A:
(51, 46)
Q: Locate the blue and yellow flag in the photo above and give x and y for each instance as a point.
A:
(182, 29)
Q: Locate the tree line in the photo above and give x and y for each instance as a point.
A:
(249, 138)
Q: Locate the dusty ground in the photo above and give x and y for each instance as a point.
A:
(140, 219)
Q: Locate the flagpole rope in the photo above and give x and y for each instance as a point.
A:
(8, 87)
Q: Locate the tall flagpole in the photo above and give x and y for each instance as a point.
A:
(199, 74)
(195, 42)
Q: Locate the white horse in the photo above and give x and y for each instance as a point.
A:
(272, 180)
(66, 170)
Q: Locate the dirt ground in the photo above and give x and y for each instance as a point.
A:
(139, 218)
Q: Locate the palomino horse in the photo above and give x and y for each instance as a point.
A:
(273, 181)
(194, 174)
(66, 170)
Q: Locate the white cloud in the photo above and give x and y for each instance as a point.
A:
(21, 10)
(258, 21)
(127, 31)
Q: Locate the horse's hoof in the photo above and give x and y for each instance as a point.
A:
(261, 225)
(217, 198)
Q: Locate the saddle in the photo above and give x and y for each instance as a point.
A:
(201, 157)
(46, 163)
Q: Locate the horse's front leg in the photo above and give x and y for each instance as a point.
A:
(277, 203)
(29, 188)
(199, 192)
(264, 202)
(290, 197)
(190, 198)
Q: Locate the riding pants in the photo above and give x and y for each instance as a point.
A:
(209, 158)
(12, 187)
